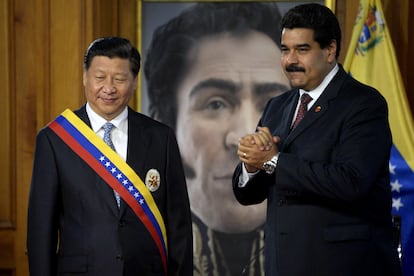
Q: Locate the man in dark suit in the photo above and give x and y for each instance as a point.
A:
(326, 177)
(118, 207)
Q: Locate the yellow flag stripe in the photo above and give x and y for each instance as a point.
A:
(371, 59)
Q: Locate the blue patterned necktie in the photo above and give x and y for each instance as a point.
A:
(107, 139)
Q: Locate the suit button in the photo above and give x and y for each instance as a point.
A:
(121, 223)
(119, 257)
(280, 202)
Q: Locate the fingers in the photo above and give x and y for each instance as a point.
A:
(251, 145)
(242, 155)
(262, 138)
(253, 157)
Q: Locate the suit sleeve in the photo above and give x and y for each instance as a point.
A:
(43, 210)
(179, 227)
(254, 192)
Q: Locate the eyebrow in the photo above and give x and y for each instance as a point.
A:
(214, 83)
(231, 87)
(297, 45)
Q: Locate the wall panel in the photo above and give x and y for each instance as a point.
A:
(7, 153)
(66, 52)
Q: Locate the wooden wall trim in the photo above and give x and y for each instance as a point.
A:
(7, 185)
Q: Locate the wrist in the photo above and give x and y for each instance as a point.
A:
(250, 169)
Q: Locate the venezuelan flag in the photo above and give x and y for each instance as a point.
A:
(371, 59)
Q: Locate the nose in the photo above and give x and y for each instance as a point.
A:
(109, 86)
(291, 57)
(244, 122)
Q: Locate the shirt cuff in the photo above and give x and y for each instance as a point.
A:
(245, 176)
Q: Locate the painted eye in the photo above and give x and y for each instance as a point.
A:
(215, 105)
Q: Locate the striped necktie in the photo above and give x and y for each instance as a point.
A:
(303, 108)
(107, 139)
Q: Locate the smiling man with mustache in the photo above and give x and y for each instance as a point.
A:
(320, 158)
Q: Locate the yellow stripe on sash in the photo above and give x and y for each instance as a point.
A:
(121, 164)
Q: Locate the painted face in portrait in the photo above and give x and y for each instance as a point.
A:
(109, 85)
(220, 100)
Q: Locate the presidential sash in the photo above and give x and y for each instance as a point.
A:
(116, 173)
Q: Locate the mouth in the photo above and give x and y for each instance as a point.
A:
(110, 100)
(292, 74)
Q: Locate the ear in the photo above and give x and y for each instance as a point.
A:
(84, 77)
(136, 83)
(332, 51)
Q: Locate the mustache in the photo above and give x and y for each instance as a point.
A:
(294, 68)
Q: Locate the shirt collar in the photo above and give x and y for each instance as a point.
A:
(315, 93)
(97, 121)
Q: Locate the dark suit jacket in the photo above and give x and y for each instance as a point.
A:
(97, 238)
(329, 200)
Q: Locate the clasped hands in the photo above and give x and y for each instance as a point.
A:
(256, 148)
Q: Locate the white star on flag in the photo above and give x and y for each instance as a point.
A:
(395, 186)
(392, 168)
(396, 203)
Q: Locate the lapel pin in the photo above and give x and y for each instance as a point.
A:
(318, 108)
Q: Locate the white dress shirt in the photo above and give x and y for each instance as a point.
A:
(119, 134)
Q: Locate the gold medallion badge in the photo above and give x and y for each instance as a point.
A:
(152, 180)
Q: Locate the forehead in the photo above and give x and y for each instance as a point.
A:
(228, 56)
(236, 66)
(105, 63)
(227, 46)
(297, 36)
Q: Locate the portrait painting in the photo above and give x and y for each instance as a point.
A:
(208, 70)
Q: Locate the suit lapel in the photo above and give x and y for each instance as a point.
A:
(319, 108)
(138, 144)
(283, 129)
